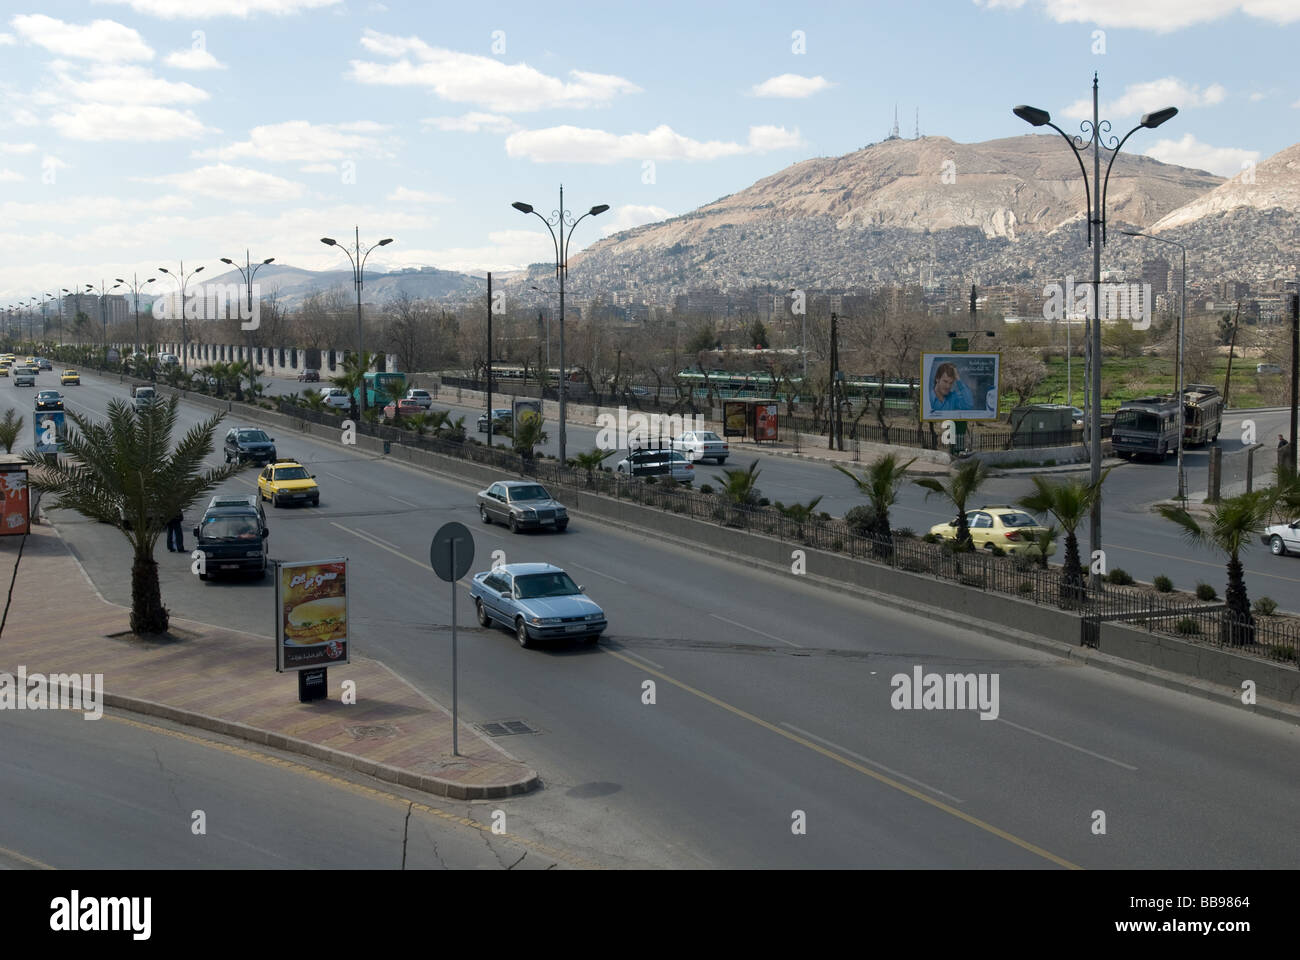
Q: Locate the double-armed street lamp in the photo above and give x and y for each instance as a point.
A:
(1182, 326)
(559, 219)
(248, 271)
(134, 286)
(358, 276)
(1095, 195)
(182, 278)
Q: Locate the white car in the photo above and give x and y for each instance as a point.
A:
(1282, 538)
(336, 397)
(702, 445)
(422, 397)
(657, 463)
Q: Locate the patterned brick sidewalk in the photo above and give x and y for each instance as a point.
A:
(225, 681)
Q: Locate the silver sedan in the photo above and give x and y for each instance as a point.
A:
(521, 505)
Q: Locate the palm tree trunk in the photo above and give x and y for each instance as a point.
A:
(1240, 626)
(1073, 590)
(148, 615)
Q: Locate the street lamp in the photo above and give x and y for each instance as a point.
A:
(248, 271)
(1182, 325)
(134, 287)
(182, 278)
(1096, 197)
(560, 218)
(358, 272)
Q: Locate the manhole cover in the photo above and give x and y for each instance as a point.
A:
(372, 731)
(505, 728)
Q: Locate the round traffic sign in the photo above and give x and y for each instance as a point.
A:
(440, 551)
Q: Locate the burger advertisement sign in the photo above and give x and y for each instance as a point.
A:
(311, 603)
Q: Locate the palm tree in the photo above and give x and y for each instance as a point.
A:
(1068, 502)
(1234, 523)
(353, 377)
(957, 488)
(590, 461)
(880, 483)
(124, 471)
(529, 433)
(738, 486)
(10, 429)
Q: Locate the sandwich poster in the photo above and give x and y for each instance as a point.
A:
(311, 606)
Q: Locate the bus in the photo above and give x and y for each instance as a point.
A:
(1202, 413)
(1147, 425)
(379, 387)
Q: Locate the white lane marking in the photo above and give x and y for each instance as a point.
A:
(400, 500)
(629, 653)
(598, 573)
(371, 540)
(754, 630)
(336, 476)
(868, 760)
(382, 540)
(1064, 743)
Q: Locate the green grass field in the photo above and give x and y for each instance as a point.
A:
(1123, 380)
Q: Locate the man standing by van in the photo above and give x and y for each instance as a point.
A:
(175, 535)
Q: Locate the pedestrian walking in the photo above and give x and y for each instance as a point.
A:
(175, 535)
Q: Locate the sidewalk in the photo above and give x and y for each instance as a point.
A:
(225, 681)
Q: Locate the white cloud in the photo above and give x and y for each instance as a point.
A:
(105, 41)
(193, 59)
(17, 148)
(117, 84)
(473, 123)
(1162, 16)
(319, 168)
(1256, 97)
(469, 78)
(10, 176)
(580, 145)
(102, 121)
(630, 215)
(206, 9)
(1190, 152)
(791, 85)
(1140, 98)
(298, 141)
(7, 39)
(415, 197)
(235, 185)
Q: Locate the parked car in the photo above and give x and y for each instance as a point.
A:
(49, 400)
(521, 505)
(402, 408)
(69, 376)
(657, 463)
(999, 525)
(1282, 538)
(422, 397)
(239, 500)
(336, 397)
(309, 376)
(169, 359)
(232, 537)
(502, 418)
(287, 481)
(4, 369)
(702, 445)
(537, 601)
(249, 445)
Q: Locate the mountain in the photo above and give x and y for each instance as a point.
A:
(292, 285)
(932, 209)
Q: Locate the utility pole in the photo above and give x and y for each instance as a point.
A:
(837, 422)
(1295, 376)
(1232, 349)
(489, 359)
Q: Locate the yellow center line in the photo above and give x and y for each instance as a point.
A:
(30, 861)
(887, 781)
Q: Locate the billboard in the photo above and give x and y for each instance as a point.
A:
(765, 421)
(521, 404)
(51, 430)
(14, 507)
(311, 615)
(734, 415)
(959, 386)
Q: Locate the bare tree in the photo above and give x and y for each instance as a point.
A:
(1022, 371)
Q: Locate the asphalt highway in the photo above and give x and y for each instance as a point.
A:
(772, 701)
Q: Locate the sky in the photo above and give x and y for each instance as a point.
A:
(140, 133)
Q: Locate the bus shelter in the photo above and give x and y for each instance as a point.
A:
(751, 419)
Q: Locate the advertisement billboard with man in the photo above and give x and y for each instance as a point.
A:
(959, 386)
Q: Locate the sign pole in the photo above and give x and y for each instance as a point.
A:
(455, 711)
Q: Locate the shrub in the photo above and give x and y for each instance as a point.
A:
(651, 480)
(706, 488)
(1265, 606)
(904, 533)
(996, 551)
(1163, 584)
(837, 545)
(1188, 626)
(1119, 576)
(1026, 586)
(931, 538)
(1206, 592)
(764, 502)
(859, 519)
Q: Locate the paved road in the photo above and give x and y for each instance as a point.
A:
(1135, 538)
(772, 696)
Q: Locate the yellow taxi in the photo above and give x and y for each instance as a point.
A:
(287, 481)
(70, 376)
(999, 525)
(4, 369)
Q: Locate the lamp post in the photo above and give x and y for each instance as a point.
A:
(182, 278)
(1096, 196)
(559, 219)
(1182, 326)
(134, 287)
(248, 271)
(358, 275)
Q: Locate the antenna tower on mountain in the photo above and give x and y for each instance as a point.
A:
(893, 134)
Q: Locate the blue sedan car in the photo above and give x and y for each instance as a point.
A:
(536, 601)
